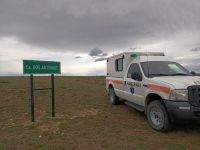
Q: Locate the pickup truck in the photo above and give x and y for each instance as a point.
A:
(154, 84)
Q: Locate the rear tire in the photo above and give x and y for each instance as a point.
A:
(113, 97)
(157, 116)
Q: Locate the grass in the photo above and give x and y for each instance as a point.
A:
(84, 119)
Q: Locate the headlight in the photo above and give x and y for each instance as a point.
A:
(179, 95)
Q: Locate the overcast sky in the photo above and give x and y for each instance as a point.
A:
(81, 33)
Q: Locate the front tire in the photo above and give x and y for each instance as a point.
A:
(113, 97)
(157, 116)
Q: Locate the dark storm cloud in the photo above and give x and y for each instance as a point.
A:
(96, 52)
(77, 57)
(79, 25)
(197, 49)
(100, 59)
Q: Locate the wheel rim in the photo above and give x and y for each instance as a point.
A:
(156, 116)
(112, 97)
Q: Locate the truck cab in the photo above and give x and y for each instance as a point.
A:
(156, 85)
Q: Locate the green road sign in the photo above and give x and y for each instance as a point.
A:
(41, 67)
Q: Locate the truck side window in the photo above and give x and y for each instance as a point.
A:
(133, 68)
(119, 64)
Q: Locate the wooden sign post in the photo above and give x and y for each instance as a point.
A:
(41, 67)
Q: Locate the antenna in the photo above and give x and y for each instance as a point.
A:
(147, 63)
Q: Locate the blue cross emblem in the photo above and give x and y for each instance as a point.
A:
(132, 90)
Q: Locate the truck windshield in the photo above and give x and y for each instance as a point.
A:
(163, 68)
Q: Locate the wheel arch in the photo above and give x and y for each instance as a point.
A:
(151, 97)
(111, 85)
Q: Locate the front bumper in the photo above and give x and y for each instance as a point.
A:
(182, 111)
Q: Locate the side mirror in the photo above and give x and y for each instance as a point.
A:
(136, 76)
(193, 73)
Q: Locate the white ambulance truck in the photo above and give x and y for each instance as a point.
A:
(156, 85)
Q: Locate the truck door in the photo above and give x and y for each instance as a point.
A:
(133, 89)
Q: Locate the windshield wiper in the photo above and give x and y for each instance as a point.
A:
(179, 74)
(161, 74)
(158, 74)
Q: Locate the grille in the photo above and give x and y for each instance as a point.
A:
(194, 95)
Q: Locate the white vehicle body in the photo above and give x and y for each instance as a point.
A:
(175, 91)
